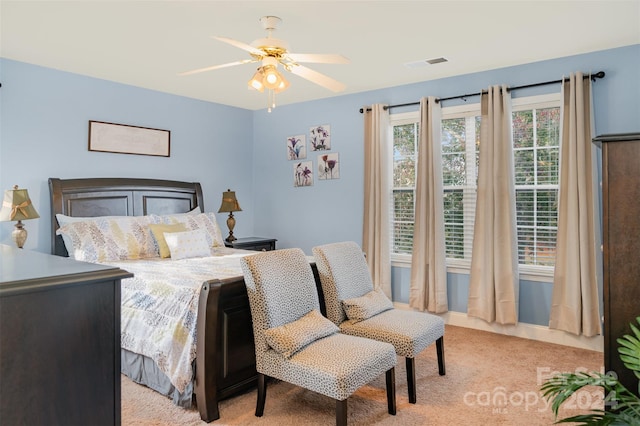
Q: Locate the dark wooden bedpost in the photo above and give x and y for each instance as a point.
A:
(205, 385)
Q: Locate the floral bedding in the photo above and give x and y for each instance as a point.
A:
(160, 306)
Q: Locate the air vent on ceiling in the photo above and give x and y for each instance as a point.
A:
(425, 62)
(436, 60)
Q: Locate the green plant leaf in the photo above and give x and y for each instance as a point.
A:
(629, 343)
(560, 387)
(585, 419)
(629, 349)
(625, 404)
(631, 361)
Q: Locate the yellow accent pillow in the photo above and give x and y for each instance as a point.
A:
(204, 221)
(158, 231)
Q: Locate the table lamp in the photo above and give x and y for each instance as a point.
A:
(17, 206)
(230, 204)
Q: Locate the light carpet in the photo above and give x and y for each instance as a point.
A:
(491, 379)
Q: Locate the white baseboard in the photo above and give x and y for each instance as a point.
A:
(526, 331)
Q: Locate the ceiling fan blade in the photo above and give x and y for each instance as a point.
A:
(318, 58)
(215, 67)
(241, 45)
(317, 78)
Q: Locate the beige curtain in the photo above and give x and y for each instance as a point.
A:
(493, 284)
(574, 302)
(428, 290)
(377, 177)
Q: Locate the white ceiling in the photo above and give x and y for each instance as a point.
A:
(147, 43)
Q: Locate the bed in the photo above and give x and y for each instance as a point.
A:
(224, 362)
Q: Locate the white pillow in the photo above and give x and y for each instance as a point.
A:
(159, 230)
(184, 245)
(194, 211)
(363, 307)
(204, 221)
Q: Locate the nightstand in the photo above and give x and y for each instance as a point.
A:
(253, 243)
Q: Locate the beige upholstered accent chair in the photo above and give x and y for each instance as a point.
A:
(359, 310)
(295, 343)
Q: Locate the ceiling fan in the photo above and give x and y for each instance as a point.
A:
(270, 52)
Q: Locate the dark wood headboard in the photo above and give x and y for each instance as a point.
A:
(94, 197)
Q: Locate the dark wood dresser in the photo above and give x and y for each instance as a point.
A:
(59, 340)
(621, 244)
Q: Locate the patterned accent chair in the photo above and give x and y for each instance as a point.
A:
(353, 305)
(295, 343)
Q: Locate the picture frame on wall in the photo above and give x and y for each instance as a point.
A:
(328, 166)
(296, 147)
(303, 174)
(320, 137)
(127, 139)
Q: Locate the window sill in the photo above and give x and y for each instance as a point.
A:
(526, 272)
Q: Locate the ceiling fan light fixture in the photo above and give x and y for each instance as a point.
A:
(272, 77)
(284, 85)
(256, 81)
(272, 51)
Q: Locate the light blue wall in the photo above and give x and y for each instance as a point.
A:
(43, 133)
(535, 296)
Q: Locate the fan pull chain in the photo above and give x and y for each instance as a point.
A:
(271, 99)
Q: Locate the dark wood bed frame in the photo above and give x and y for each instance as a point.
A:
(225, 352)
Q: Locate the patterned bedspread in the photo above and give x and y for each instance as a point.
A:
(160, 306)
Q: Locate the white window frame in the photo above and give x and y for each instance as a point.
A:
(398, 259)
(462, 266)
(553, 100)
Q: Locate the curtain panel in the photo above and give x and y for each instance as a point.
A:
(377, 177)
(575, 300)
(428, 289)
(494, 281)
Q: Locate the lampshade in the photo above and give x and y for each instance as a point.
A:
(229, 202)
(268, 77)
(256, 81)
(282, 86)
(272, 77)
(17, 206)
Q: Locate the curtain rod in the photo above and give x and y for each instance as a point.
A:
(592, 76)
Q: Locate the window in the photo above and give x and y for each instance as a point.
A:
(460, 142)
(405, 144)
(536, 135)
(536, 142)
(460, 139)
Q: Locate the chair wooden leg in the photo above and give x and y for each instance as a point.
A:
(440, 348)
(262, 394)
(341, 412)
(411, 379)
(391, 390)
